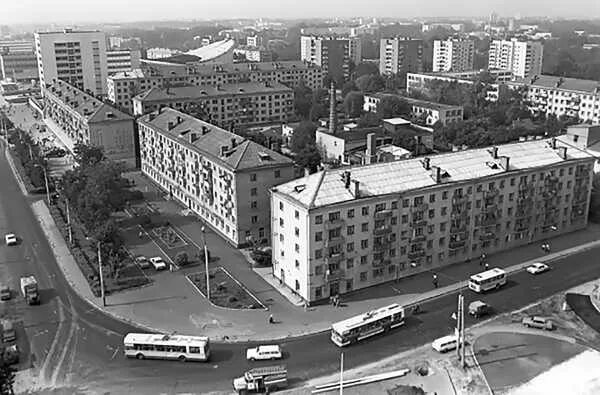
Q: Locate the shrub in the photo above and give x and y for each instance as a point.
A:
(182, 259)
(232, 299)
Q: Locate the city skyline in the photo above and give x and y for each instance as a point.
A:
(70, 11)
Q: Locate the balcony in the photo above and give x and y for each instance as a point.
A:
(420, 207)
(334, 241)
(335, 223)
(334, 275)
(382, 230)
(458, 214)
(335, 258)
(418, 239)
(457, 244)
(381, 262)
(416, 254)
(383, 214)
(487, 236)
(491, 193)
(462, 228)
(418, 221)
(384, 245)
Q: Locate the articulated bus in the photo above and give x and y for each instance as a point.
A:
(490, 279)
(158, 346)
(366, 325)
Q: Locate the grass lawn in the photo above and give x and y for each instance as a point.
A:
(224, 290)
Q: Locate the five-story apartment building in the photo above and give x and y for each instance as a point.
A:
(341, 230)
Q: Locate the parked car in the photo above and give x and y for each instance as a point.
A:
(158, 263)
(142, 262)
(538, 268)
(538, 322)
(4, 292)
(445, 344)
(262, 353)
(11, 239)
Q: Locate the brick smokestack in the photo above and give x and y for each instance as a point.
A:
(332, 112)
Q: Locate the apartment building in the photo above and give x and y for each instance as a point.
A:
(119, 61)
(561, 96)
(400, 55)
(21, 66)
(341, 230)
(333, 54)
(220, 176)
(419, 82)
(430, 112)
(122, 87)
(453, 54)
(77, 57)
(228, 105)
(75, 116)
(523, 58)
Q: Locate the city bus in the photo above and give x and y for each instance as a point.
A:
(158, 346)
(366, 325)
(490, 279)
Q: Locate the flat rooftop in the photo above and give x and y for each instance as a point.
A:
(416, 102)
(326, 187)
(560, 83)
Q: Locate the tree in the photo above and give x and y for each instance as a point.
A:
(302, 100)
(348, 86)
(353, 104)
(309, 157)
(181, 259)
(392, 106)
(319, 105)
(371, 83)
(7, 377)
(87, 155)
(304, 135)
(369, 119)
(365, 68)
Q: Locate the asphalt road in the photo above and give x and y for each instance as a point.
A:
(76, 346)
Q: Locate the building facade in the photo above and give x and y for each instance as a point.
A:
(20, 66)
(119, 61)
(341, 230)
(220, 176)
(453, 55)
(400, 55)
(561, 96)
(122, 87)
(523, 58)
(77, 57)
(430, 112)
(228, 106)
(418, 82)
(82, 118)
(333, 54)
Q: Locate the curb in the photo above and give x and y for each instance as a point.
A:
(487, 384)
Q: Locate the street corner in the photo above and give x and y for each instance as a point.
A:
(509, 359)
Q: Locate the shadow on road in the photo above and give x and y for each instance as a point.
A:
(146, 301)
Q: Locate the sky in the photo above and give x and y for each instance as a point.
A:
(57, 11)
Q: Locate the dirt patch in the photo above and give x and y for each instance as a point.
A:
(224, 290)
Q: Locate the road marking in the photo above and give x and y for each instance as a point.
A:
(61, 318)
(63, 355)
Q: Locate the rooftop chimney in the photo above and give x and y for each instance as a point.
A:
(426, 163)
(553, 143)
(346, 179)
(494, 152)
(356, 189)
(562, 152)
(371, 149)
(332, 112)
(436, 174)
(204, 129)
(224, 150)
(233, 142)
(170, 125)
(504, 162)
(193, 137)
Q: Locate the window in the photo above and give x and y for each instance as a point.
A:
(501, 184)
(363, 260)
(512, 182)
(297, 232)
(365, 211)
(431, 213)
(442, 241)
(277, 173)
(430, 229)
(379, 207)
(253, 192)
(318, 270)
(351, 213)
(280, 205)
(418, 200)
(318, 254)
(444, 210)
(297, 247)
(404, 218)
(281, 222)
(445, 195)
(511, 197)
(318, 219)
(318, 293)
(334, 216)
(349, 247)
(443, 227)
(319, 236)
(253, 204)
(364, 244)
(394, 205)
(405, 203)
(254, 219)
(429, 243)
(296, 214)
(349, 285)
(297, 263)
(510, 211)
(350, 230)
(349, 263)
(364, 227)
(363, 276)
(253, 177)
(432, 198)
(393, 220)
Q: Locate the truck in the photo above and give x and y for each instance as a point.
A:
(479, 308)
(263, 379)
(8, 331)
(29, 289)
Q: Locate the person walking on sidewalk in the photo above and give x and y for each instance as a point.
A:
(271, 319)
(482, 259)
(435, 281)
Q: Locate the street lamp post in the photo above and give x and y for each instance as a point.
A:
(69, 223)
(101, 276)
(206, 263)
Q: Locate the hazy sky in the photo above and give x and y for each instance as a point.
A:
(48, 11)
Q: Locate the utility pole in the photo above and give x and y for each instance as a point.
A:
(462, 327)
(101, 276)
(69, 223)
(457, 331)
(341, 373)
(206, 264)
(460, 330)
(46, 181)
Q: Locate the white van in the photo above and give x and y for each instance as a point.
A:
(445, 344)
(263, 353)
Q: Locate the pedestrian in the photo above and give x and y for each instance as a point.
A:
(331, 300)
(305, 305)
(486, 266)
(271, 320)
(435, 281)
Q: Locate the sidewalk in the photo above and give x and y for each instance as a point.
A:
(172, 304)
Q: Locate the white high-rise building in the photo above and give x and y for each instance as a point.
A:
(523, 58)
(453, 55)
(77, 57)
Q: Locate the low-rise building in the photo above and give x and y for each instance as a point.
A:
(220, 176)
(19, 66)
(585, 137)
(418, 82)
(430, 112)
(118, 61)
(572, 97)
(82, 118)
(254, 53)
(122, 87)
(341, 230)
(341, 145)
(228, 105)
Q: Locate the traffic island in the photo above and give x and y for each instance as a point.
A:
(225, 290)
